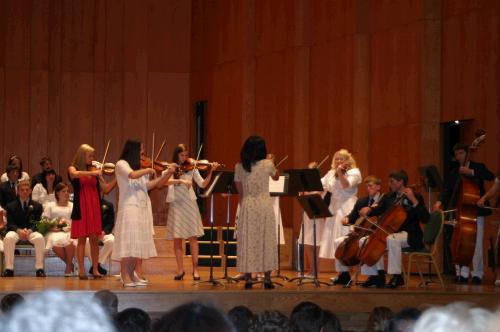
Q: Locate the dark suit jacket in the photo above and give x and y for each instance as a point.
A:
(360, 203)
(7, 194)
(19, 218)
(481, 173)
(108, 216)
(415, 215)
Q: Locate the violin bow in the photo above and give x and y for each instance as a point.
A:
(196, 161)
(153, 152)
(281, 161)
(323, 160)
(161, 149)
(105, 154)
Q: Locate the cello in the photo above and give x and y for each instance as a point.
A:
(348, 251)
(463, 241)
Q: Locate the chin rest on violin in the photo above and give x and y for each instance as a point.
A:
(107, 168)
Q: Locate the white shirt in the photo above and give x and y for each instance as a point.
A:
(40, 195)
(24, 177)
(132, 191)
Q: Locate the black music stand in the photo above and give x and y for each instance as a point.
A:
(223, 183)
(307, 180)
(432, 183)
(279, 188)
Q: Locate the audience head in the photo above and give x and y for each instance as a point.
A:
(108, 301)
(12, 172)
(241, 317)
(133, 320)
(379, 319)
(46, 163)
(253, 150)
(331, 322)
(404, 320)
(51, 311)
(83, 157)
(192, 317)
(306, 316)
(9, 301)
(457, 317)
(16, 161)
(268, 321)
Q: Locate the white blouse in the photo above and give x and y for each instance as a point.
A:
(24, 177)
(132, 191)
(40, 195)
(186, 176)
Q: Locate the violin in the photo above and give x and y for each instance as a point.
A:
(107, 168)
(190, 164)
(158, 166)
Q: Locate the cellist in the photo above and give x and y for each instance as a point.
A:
(409, 234)
(478, 173)
(375, 273)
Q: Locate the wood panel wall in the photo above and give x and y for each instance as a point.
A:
(85, 71)
(375, 77)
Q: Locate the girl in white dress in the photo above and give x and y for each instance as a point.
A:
(184, 220)
(59, 240)
(43, 192)
(133, 231)
(342, 182)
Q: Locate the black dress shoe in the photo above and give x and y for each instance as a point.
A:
(376, 281)
(396, 281)
(8, 273)
(40, 273)
(461, 280)
(268, 284)
(100, 269)
(342, 279)
(248, 284)
(476, 281)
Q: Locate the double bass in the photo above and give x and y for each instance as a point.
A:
(463, 241)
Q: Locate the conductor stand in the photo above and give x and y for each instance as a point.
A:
(308, 180)
(432, 183)
(227, 179)
(279, 188)
(211, 280)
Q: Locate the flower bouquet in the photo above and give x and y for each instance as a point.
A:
(45, 225)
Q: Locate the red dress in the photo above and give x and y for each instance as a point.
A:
(90, 209)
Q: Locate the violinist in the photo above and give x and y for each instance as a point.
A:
(342, 182)
(86, 213)
(478, 173)
(184, 220)
(409, 234)
(375, 273)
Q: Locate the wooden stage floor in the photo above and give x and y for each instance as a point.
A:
(351, 304)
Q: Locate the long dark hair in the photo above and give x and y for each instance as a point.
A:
(175, 156)
(131, 153)
(44, 179)
(10, 161)
(253, 150)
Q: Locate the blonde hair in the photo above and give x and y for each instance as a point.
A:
(372, 179)
(346, 155)
(79, 160)
(24, 183)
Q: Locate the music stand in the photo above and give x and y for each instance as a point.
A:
(223, 183)
(279, 188)
(307, 180)
(432, 183)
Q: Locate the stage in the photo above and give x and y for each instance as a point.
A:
(352, 305)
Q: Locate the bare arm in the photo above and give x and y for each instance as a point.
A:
(106, 187)
(140, 173)
(74, 173)
(162, 180)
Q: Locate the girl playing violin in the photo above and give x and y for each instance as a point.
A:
(184, 220)
(342, 182)
(86, 213)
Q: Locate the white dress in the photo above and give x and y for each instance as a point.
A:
(61, 238)
(341, 204)
(184, 220)
(40, 195)
(133, 231)
(24, 177)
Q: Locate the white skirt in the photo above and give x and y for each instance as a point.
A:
(133, 233)
(57, 239)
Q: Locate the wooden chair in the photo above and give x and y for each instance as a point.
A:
(432, 232)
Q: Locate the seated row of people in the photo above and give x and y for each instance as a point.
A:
(24, 210)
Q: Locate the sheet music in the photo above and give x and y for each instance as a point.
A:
(209, 190)
(278, 186)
